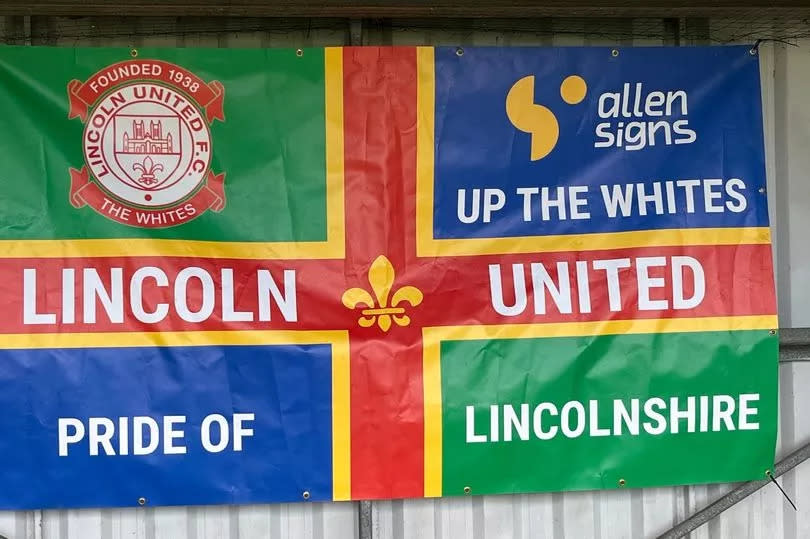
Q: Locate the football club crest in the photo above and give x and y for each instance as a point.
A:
(147, 144)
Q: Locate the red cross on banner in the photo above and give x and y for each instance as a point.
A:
(456, 354)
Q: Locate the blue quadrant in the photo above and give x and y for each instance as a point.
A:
(287, 388)
(477, 147)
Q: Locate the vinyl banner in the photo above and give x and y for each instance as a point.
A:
(246, 276)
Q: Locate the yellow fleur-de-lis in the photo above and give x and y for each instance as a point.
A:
(381, 278)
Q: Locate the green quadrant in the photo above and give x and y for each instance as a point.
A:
(483, 373)
(271, 146)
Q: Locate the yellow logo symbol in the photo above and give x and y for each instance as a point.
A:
(381, 278)
(537, 120)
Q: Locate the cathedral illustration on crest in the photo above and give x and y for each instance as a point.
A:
(148, 141)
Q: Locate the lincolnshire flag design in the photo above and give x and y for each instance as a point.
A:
(241, 276)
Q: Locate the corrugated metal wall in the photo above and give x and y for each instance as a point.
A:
(633, 513)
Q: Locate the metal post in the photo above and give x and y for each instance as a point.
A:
(364, 511)
(355, 32)
(365, 520)
(794, 345)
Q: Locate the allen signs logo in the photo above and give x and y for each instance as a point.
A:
(147, 144)
(631, 117)
(538, 120)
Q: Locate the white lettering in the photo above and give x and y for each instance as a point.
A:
(496, 290)
(112, 301)
(30, 314)
(205, 432)
(71, 431)
(136, 295)
(286, 303)
(472, 437)
(181, 294)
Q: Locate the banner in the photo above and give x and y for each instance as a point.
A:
(246, 276)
